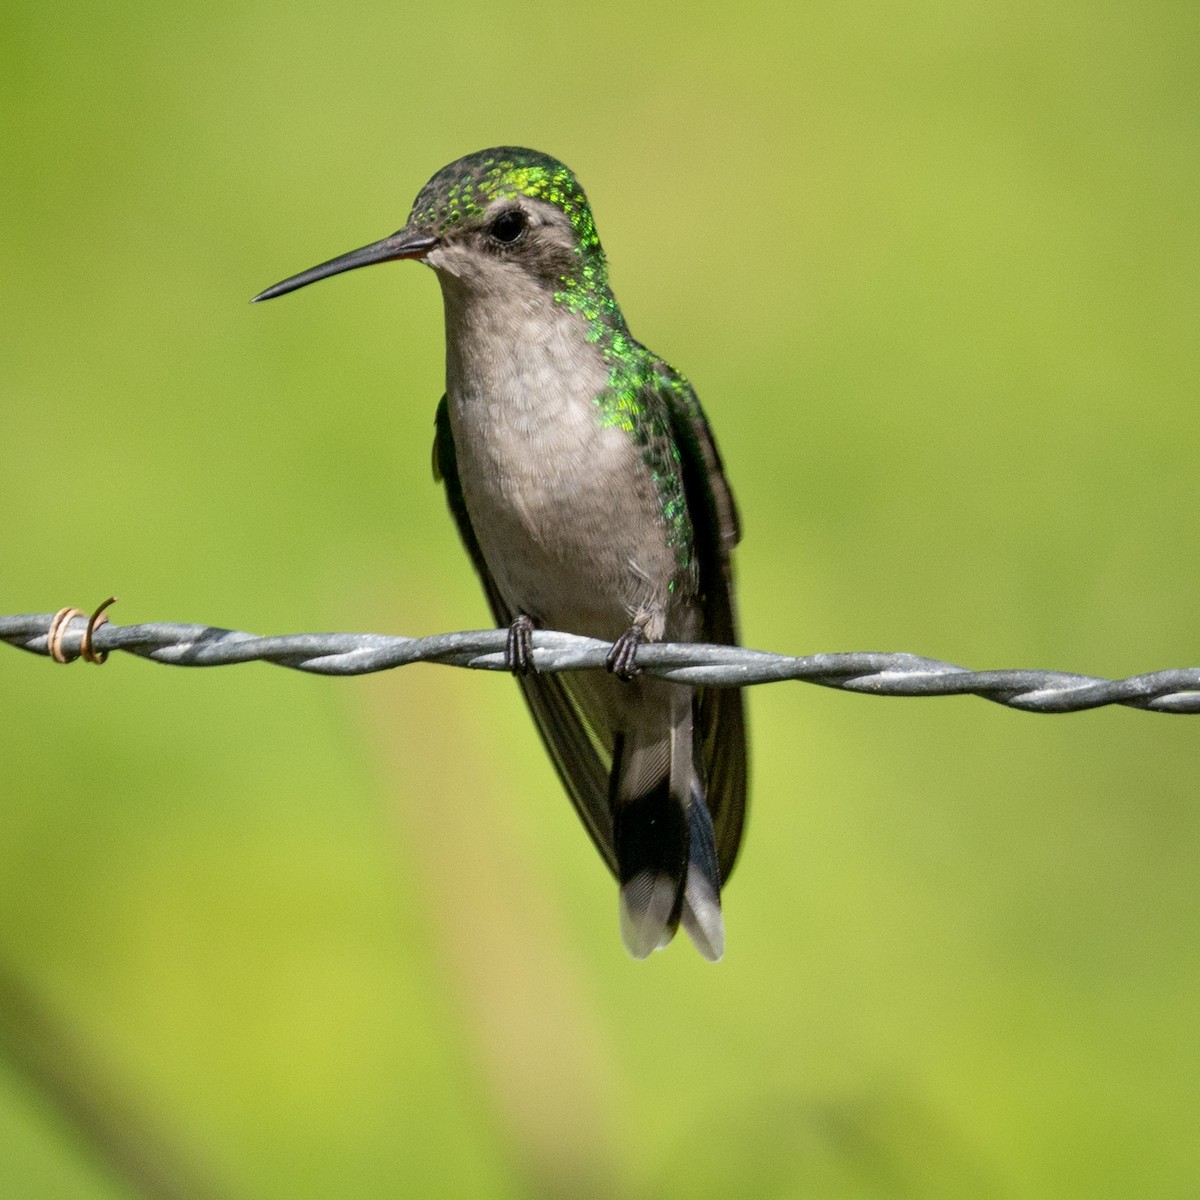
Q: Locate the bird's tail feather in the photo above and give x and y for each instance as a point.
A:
(663, 839)
(702, 891)
(650, 837)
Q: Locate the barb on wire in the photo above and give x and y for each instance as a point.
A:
(1176, 690)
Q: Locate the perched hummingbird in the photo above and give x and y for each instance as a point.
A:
(588, 491)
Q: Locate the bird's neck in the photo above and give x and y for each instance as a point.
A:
(521, 349)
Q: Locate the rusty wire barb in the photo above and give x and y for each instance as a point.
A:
(71, 634)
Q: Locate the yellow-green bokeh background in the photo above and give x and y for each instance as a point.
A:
(934, 270)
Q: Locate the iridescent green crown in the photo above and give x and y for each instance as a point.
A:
(464, 188)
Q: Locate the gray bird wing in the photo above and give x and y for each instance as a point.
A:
(720, 712)
(583, 764)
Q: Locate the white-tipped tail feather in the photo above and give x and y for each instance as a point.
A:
(663, 834)
(702, 892)
(648, 912)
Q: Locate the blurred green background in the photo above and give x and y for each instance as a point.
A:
(934, 271)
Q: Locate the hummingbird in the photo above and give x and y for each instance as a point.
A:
(588, 491)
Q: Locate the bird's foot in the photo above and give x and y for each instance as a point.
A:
(518, 649)
(622, 658)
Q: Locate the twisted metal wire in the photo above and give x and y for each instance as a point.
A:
(1175, 690)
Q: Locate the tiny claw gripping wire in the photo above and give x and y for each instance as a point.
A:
(87, 650)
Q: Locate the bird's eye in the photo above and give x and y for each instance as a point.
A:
(509, 226)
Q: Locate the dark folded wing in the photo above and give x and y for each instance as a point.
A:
(720, 713)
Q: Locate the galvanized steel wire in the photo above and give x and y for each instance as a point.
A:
(1175, 690)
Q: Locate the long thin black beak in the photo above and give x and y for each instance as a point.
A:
(402, 244)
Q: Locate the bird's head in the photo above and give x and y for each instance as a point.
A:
(493, 222)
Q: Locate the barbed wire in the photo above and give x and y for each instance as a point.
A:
(70, 634)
